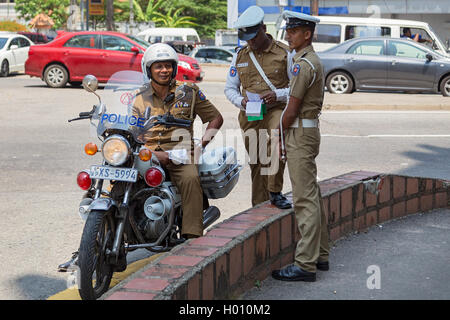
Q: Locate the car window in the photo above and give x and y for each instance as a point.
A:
(173, 38)
(370, 48)
(3, 42)
(327, 33)
(366, 31)
(23, 43)
(192, 38)
(14, 42)
(116, 43)
(143, 43)
(82, 41)
(220, 54)
(155, 39)
(405, 50)
(424, 36)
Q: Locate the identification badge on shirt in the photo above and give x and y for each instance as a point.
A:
(242, 65)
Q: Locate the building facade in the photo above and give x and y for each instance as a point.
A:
(435, 12)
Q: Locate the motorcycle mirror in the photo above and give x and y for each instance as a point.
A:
(90, 83)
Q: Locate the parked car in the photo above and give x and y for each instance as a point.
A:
(212, 54)
(72, 55)
(36, 37)
(333, 30)
(13, 52)
(385, 64)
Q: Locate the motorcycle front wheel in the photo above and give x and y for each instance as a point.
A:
(95, 271)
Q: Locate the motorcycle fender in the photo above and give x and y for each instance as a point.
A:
(102, 204)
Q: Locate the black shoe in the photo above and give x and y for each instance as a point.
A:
(66, 265)
(280, 201)
(294, 273)
(323, 266)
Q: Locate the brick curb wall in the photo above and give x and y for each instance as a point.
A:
(236, 253)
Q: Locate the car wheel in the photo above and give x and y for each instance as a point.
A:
(4, 69)
(445, 87)
(56, 76)
(339, 82)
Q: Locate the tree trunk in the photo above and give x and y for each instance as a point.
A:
(110, 15)
(314, 6)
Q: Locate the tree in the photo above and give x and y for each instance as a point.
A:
(173, 20)
(109, 15)
(55, 9)
(210, 14)
(141, 14)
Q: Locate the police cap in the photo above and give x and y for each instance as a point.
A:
(297, 19)
(249, 22)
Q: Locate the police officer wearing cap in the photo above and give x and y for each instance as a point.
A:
(260, 67)
(299, 126)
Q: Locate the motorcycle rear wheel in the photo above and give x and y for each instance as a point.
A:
(95, 271)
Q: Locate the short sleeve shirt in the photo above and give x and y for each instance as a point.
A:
(307, 83)
(188, 102)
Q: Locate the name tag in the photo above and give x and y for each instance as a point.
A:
(242, 65)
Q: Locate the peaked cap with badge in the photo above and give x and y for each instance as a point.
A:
(297, 19)
(249, 22)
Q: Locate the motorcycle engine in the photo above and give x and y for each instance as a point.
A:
(154, 214)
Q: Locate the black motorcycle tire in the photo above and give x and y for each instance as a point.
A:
(97, 237)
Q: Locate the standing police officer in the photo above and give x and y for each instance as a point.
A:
(261, 68)
(300, 122)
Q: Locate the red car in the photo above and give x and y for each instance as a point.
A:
(72, 55)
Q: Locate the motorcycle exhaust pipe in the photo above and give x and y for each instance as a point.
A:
(210, 215)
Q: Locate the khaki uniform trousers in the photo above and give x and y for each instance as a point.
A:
(302, 147)
(187, 180)
(266, 169)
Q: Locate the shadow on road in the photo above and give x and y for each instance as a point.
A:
(38, 287)
(432, 162)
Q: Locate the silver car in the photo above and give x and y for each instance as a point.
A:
(213, 54)
(385, 64)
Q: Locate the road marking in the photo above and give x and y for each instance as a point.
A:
(386, 111)
(388, 136)
(72, 293)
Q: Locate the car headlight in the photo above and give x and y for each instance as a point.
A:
(116, 150)
(184, 64)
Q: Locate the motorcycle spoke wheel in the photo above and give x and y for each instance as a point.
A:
(95, 271)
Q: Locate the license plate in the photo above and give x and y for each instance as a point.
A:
(111, 173)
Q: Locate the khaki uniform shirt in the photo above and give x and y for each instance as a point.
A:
(273, 61)
(192, 103)
(302, 77)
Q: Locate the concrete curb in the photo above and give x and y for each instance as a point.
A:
(242, 250)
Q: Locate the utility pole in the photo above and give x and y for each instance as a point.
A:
(131, 13)
(87, 15)
(314, 7)
(110, 15)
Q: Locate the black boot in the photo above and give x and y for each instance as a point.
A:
(66, 265)
(280, 201)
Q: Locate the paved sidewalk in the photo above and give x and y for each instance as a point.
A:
(412, 256)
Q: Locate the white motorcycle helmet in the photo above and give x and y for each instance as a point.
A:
(159, 52)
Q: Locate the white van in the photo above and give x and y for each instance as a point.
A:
(154, 35)
(333, 30)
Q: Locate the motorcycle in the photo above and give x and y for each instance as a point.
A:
(142, 206)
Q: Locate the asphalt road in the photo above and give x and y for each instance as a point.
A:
(404, 259)
(42, 153)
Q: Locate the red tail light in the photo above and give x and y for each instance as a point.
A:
(83, 180)
(154, 177)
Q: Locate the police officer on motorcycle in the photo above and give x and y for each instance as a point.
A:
(183, 101)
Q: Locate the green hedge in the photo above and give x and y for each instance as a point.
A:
(12, 26)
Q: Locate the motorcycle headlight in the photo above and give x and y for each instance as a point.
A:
(116, 150)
